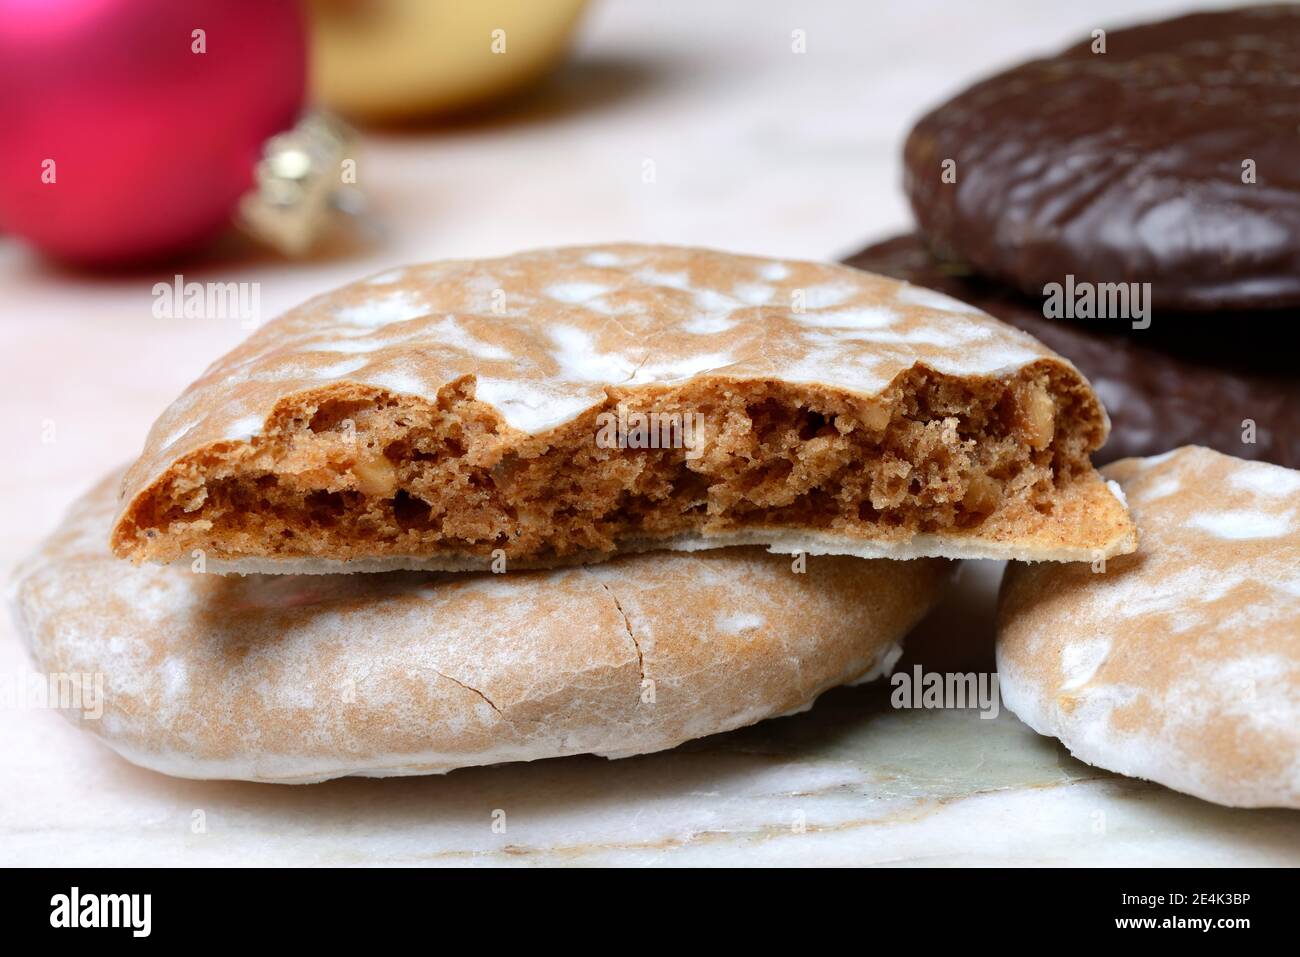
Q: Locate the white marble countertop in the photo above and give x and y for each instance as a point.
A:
(756, 149)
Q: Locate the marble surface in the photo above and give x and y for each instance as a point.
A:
(755, 149)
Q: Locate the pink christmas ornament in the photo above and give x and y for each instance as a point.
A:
(130, 129)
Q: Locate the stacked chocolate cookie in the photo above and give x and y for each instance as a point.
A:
(482, 511)
(1152, 167)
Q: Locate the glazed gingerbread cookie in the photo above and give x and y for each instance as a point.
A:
(302, 678)
(1179, 663)
(563, 405)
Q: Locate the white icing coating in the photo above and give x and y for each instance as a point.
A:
(1243, 524)
(1080, 661)
(1265, 480)
(451, 335)
(358, 345)
(382, 310)
(339, 369)
(526, 407)
(754, 294)
(712, 304)
(177, 435)
(1117, 491)
(245, 428)
(397, 381)
(576, 291)
(929, 299)
(669, 280)
(867, 317)
(674, 370)
(1166, 485)
(736, 622)
(579, 359)
(825, 295)
(708, 325)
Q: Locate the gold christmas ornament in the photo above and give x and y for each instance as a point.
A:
(401, 59)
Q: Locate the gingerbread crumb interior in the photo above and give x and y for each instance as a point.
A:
(353, 472)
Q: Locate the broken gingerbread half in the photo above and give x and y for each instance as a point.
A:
(560, 406)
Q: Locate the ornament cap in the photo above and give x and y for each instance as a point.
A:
(301, 184)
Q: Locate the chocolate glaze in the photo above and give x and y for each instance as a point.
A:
(1185, 380)
(1127, 166)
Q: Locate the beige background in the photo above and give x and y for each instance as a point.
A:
(756, 149)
